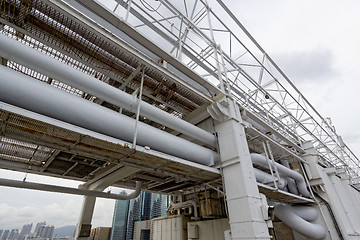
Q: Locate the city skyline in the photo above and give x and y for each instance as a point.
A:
(33, 229)
(41, 230)
(38, 230)
(56, 208)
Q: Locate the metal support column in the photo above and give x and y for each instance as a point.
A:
(86, 214)
(242, 195)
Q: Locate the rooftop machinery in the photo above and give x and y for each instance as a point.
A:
(141, 94)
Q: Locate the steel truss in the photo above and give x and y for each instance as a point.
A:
(208, 38)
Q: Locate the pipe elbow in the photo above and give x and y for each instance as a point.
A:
(133, 194)
(290, 216)
(260, 160)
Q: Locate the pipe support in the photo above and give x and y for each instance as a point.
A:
(25, 92)
(75, 191)
(260, 160)
(14, 50)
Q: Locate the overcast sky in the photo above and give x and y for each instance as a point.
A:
(314, 42)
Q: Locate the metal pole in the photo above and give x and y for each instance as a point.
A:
(222, 87)
(273, 161)
(127, 10)
(56, 103)
(42, 63)
(269, 165)
(138, 107)
(75, 191)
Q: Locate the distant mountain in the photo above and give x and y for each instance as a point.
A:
(67, 231)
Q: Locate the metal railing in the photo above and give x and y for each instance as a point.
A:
(208, 38)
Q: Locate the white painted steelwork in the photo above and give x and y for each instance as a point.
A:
(260, 160)
(179, 40)
(33, 59)
(190, 34)
(68, 190)
(263, 177)
(60, 105)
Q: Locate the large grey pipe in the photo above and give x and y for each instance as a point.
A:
(260, 160)
(25, 92)
(263, 177)
(31, 58)
(297, 218)
(76, 191)
(291, 183)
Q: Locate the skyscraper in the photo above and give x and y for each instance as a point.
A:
(26, 229)
(5, 235)
(145, 207)
(120, 217)
(13, 234)
(45, 232)
(37, 228)
(134, 215)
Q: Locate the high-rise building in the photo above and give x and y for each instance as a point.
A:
(45, 232)
(159, 203)
(13, 234)
(5, 235)
(120, 217)
(1, 232)
(37, 228)
(26, 229)
(145, 207)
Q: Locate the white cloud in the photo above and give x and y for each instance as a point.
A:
(310, 66)
(323, 35)
(21, 206)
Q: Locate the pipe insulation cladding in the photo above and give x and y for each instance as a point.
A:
(29, 57)
(291, 184)
(26, 92)
(297, 218)
(260, 160)
(263, 177)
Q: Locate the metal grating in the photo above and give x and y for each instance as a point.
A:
(38, 147)
(62, 35)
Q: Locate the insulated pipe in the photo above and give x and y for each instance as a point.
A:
(260, 160)
(291, 183)
(256, 125)
(75, 191)
(305, 212)
(25, 92)
(263, 177)
(14, 50)
(288, 215)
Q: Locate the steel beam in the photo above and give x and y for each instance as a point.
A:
(100, 184)
(242, 195)
(64, 106)
(51, 67)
